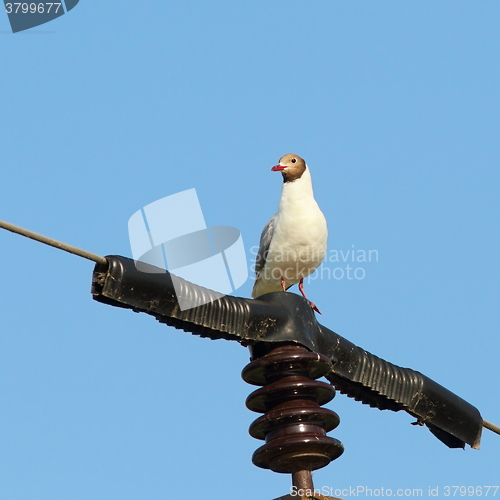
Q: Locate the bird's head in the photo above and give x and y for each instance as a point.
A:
(291, 166)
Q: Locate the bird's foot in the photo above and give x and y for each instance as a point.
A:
(301, 289)
(314, 308)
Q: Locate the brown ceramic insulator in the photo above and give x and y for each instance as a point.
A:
(289, 388)
(294, 412)
(300, 452)
(286, 360)
(294, 424)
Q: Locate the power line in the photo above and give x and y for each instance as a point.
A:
(491, 427)
(53, 243)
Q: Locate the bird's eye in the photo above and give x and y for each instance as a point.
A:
(294, 160)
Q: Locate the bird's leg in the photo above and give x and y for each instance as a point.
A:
(301, 289)
(283, 283)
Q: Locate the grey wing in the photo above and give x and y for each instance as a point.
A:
(265, 241)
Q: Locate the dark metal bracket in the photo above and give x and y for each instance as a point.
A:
(284, 318)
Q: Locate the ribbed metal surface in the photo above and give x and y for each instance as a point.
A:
(153, 293)
(229, 316)
(401, 385)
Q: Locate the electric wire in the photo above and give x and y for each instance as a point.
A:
(491, 427)
(53, 243)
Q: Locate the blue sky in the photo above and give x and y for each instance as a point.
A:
(395, 107)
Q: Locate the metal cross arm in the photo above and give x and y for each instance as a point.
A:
(282, 318)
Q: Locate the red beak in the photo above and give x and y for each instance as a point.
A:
(278, 168)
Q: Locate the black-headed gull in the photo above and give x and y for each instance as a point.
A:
(293, 243)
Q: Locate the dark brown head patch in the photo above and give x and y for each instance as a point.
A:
(295, 167)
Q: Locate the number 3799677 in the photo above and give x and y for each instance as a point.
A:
(32, 8)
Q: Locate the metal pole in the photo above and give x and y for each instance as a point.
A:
(302, 480)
